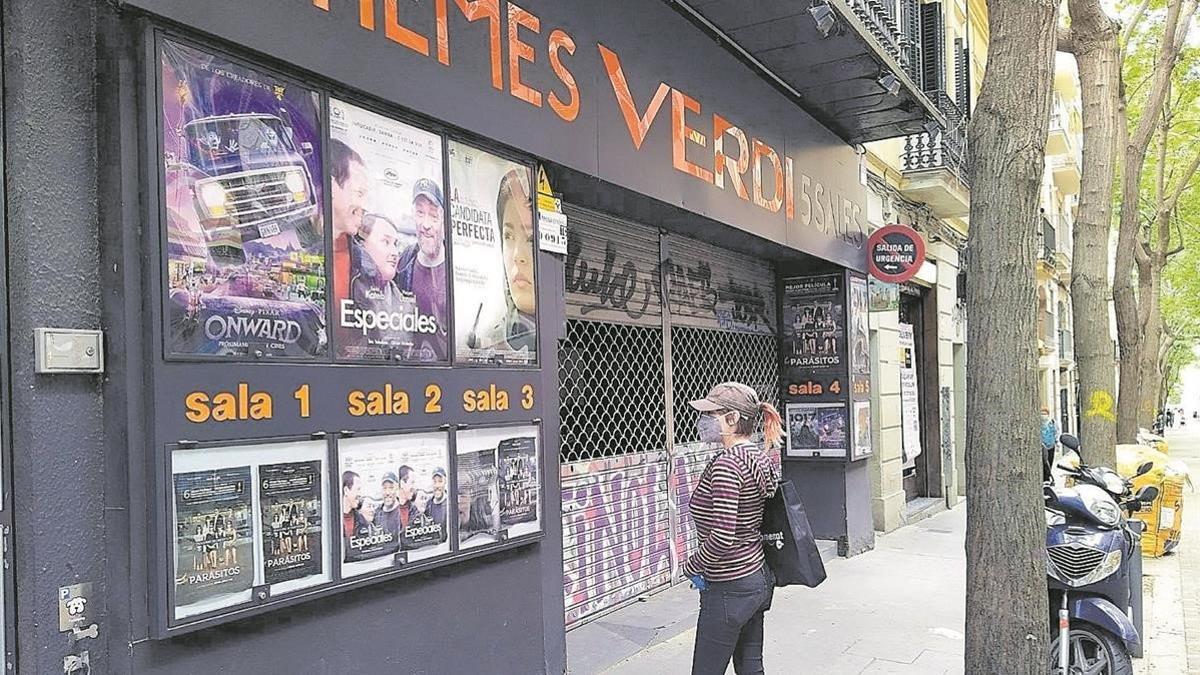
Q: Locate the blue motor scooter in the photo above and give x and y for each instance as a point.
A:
(1091, 550)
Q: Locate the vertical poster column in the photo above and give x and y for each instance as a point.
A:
(815, 372)
(243, 207)
(860, 369)
(910, 406)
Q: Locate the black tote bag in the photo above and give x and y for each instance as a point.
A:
(788, 541)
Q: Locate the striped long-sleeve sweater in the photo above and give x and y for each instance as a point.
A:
(727, 507)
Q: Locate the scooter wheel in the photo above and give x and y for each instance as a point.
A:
(1093, 650)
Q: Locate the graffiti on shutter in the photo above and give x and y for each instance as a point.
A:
(612, 269)
(616, 532)
(715, 288)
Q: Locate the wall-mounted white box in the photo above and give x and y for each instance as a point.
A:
(66, 350)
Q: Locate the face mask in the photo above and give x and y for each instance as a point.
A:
(709, 429)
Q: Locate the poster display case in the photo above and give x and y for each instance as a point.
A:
(316, 348)
(245, 517)
(825, 368)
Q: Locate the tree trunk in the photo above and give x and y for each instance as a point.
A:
(1097, 55)
(1005, 526)
(1130, 320)
(1125, 302)
(1149, 291)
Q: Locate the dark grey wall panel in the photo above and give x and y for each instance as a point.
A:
(53, 272)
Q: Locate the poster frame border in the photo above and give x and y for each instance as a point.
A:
(787, 428)
(167, 542)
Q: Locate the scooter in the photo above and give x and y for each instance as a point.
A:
(1091, 550)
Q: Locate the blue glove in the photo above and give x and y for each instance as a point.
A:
(699, 583)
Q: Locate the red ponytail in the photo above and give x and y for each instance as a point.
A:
(772, 424)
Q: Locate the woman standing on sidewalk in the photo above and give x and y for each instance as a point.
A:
(735, 584)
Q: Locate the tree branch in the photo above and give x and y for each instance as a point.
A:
(1133, 23)
(1066, 41)
(1168, 54)
(1183, 183)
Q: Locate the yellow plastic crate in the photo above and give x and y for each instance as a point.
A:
(1164, 516)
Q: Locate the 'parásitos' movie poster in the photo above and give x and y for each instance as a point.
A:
(519, 480)
(495, 297)
(391, 301)
(290, 502)
(214, 539)
(244, 236)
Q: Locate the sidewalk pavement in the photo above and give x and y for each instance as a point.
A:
(897, 609)
(1172, 583)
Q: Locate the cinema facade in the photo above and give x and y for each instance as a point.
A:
(451, 269)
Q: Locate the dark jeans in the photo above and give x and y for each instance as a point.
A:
(731, 625)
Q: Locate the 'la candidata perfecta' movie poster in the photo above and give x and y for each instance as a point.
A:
(214, 539)
(244, 235)
(290, 500)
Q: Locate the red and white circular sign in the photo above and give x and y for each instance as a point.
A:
(895, 253)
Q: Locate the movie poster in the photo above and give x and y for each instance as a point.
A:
(860, 338)
(816, 429)
(478, 508)
(214, 539)
(814, 325)
(862, 429)
(495, 250)
(910, 402)
(389, 238)
(520, 484)
(244, 243)
(395, 499)
(289, 497)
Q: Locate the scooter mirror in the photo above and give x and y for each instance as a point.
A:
(1144, 469)
(1147, 494)
(1069, 441)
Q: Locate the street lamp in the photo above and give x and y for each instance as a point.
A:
(890, 83)
(822, 14)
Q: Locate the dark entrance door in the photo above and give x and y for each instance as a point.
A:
(922, 475)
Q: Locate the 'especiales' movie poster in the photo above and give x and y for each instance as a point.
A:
(290, 502)
(495, 297)
(395, 499)
(214, 537)
(389, 238)
(244, 237)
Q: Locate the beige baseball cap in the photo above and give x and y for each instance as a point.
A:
(729, 396)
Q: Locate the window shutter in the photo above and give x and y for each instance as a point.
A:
(910, 27)
(933, 47)
(962, 77)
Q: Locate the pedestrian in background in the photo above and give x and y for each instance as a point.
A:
(1049, 430)
(736, 586)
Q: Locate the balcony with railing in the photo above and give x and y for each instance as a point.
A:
(845, 62)
(1047, 249)
(935, 165)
